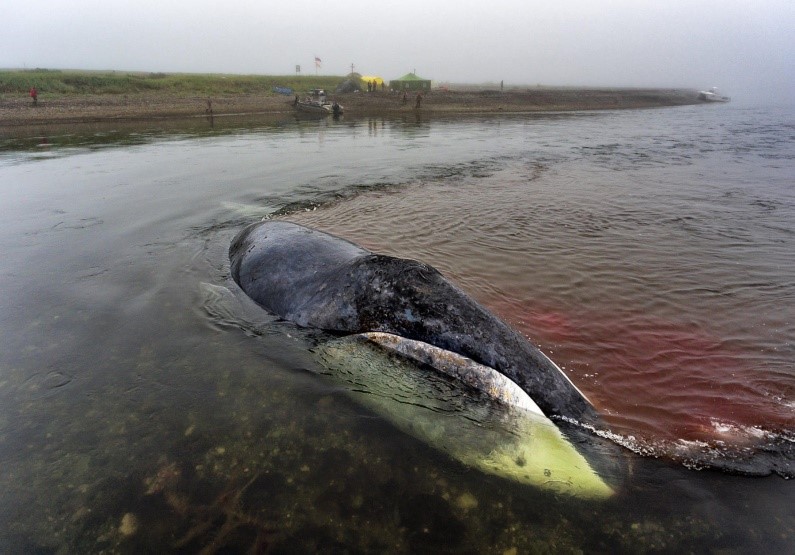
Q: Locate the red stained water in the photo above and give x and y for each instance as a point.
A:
(656, 379)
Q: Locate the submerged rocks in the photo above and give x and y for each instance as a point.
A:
(128, 525)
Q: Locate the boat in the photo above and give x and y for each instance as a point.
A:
(712, 95)
(317, 103)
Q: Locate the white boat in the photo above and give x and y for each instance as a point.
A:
(712, 95)
(316, 103)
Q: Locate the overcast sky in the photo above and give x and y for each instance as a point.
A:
(747, 48)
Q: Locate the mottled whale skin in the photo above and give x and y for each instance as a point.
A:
(321, 281)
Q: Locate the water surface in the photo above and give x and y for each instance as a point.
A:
(647, 252)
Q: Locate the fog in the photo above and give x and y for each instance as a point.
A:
(743, 47)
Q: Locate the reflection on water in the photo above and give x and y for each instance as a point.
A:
(141, 413)
(59, 139)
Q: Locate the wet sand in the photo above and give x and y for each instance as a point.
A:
(20, 111)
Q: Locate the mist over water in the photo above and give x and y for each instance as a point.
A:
(648, 253)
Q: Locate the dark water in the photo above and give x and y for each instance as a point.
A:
(649, 253)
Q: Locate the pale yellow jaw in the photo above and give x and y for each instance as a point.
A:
(470, 411)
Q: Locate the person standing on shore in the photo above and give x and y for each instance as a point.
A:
(34, 94)
(419, 100)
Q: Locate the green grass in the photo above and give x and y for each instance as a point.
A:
(69, 82)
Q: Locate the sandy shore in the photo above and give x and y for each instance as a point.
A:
(19, 111)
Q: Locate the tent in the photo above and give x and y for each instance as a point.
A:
(370, 78)
(410, 82)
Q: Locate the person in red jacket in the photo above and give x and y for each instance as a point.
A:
(34, 94)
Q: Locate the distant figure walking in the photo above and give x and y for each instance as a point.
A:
(34, 94)
(419, 100)
(405, 97)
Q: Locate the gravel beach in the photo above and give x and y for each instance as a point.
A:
(19, 111)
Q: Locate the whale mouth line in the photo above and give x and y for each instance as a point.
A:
(485, 379)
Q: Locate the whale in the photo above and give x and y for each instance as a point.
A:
(397, 327)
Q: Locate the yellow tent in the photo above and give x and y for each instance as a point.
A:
(370, 78)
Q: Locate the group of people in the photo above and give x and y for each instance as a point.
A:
(372, 86)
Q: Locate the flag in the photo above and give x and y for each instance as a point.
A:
(317, 61)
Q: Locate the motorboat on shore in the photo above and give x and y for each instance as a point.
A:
(317, 103)
(712, 95)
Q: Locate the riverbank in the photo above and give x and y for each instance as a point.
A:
(17, 110)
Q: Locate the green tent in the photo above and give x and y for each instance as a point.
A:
(410, 82)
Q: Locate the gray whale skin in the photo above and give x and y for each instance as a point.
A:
(317, 280)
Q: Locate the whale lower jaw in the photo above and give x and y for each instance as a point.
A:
(470, 411)
(478, 376)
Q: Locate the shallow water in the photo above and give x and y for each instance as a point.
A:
(647, 252)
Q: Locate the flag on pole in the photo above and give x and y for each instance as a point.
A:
(317, 62)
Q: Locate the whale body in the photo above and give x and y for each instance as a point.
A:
(417, 350)
(317, 280)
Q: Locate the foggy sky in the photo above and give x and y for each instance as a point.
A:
(744, 47)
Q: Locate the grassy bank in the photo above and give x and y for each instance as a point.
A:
(72, 82)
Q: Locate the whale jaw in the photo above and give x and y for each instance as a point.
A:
(470, 411)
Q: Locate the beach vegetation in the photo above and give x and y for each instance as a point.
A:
(77, 82)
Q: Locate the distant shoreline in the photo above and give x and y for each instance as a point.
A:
(18, 110)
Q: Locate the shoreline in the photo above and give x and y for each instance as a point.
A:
(65, 109)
